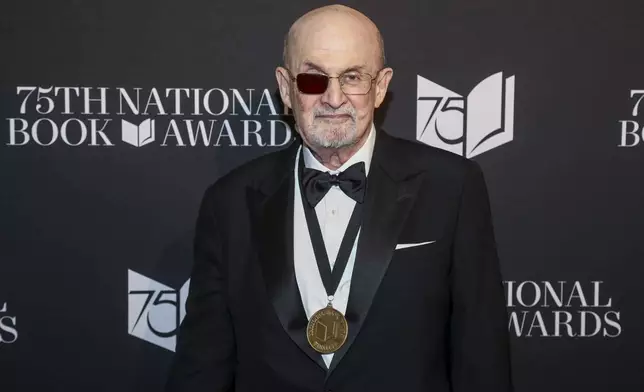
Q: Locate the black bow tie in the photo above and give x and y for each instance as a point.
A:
(352, 181)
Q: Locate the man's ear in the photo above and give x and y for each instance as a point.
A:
(382, 83)
(284, 82)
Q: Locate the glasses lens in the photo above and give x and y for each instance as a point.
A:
(312, 83)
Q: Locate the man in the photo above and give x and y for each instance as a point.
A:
(350, 261)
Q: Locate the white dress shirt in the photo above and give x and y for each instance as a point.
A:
(333, 213)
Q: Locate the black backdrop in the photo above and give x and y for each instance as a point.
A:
(89, 232)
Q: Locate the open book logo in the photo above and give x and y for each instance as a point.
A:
(137, 135)
(466, 126)
(155, 310)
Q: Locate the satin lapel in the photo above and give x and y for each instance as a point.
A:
(275, 236)
(388, 202)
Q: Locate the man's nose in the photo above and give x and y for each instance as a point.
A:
(333, 96)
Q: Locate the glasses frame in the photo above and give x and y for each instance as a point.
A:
(294, 79)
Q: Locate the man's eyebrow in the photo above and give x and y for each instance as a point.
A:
(358, 68)
(308, 65)
(312, 66)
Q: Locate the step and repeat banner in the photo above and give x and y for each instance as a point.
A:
(116, 116)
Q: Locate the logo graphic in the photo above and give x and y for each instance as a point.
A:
(325, 333)
(155, 310)
(137, 136)
(466, 126)
(8, 331)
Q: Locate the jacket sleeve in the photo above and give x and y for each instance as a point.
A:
(479, 338)
(205, 354)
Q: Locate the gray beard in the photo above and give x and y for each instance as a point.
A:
(336, 138)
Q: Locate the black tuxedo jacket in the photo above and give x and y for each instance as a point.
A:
(424, 318)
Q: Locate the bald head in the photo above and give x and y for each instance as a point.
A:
(338, 57)
(334, 23)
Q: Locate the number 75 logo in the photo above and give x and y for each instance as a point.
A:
(155, 310)
(470, 125)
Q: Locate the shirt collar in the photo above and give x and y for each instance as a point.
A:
(364, 154)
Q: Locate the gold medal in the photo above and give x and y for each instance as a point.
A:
(327, 330)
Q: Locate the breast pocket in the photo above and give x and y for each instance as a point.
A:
(425, 255)
(406, 245)
(418, 274)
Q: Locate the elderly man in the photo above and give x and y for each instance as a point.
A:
(351, 260)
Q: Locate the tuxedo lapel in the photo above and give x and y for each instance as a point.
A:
(274, 233)
(391, 191)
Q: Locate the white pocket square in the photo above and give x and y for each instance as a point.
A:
(403, 246)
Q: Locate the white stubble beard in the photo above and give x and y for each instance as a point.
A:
(328, 135)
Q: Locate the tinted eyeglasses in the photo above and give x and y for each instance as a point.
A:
(351, 83)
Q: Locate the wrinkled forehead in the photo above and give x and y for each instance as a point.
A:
(335, 46)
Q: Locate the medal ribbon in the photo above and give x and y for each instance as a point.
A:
(330, 279)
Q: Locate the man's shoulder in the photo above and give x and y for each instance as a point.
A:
(252, 174)
(434, 161)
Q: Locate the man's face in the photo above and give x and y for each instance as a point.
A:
(334, 119)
